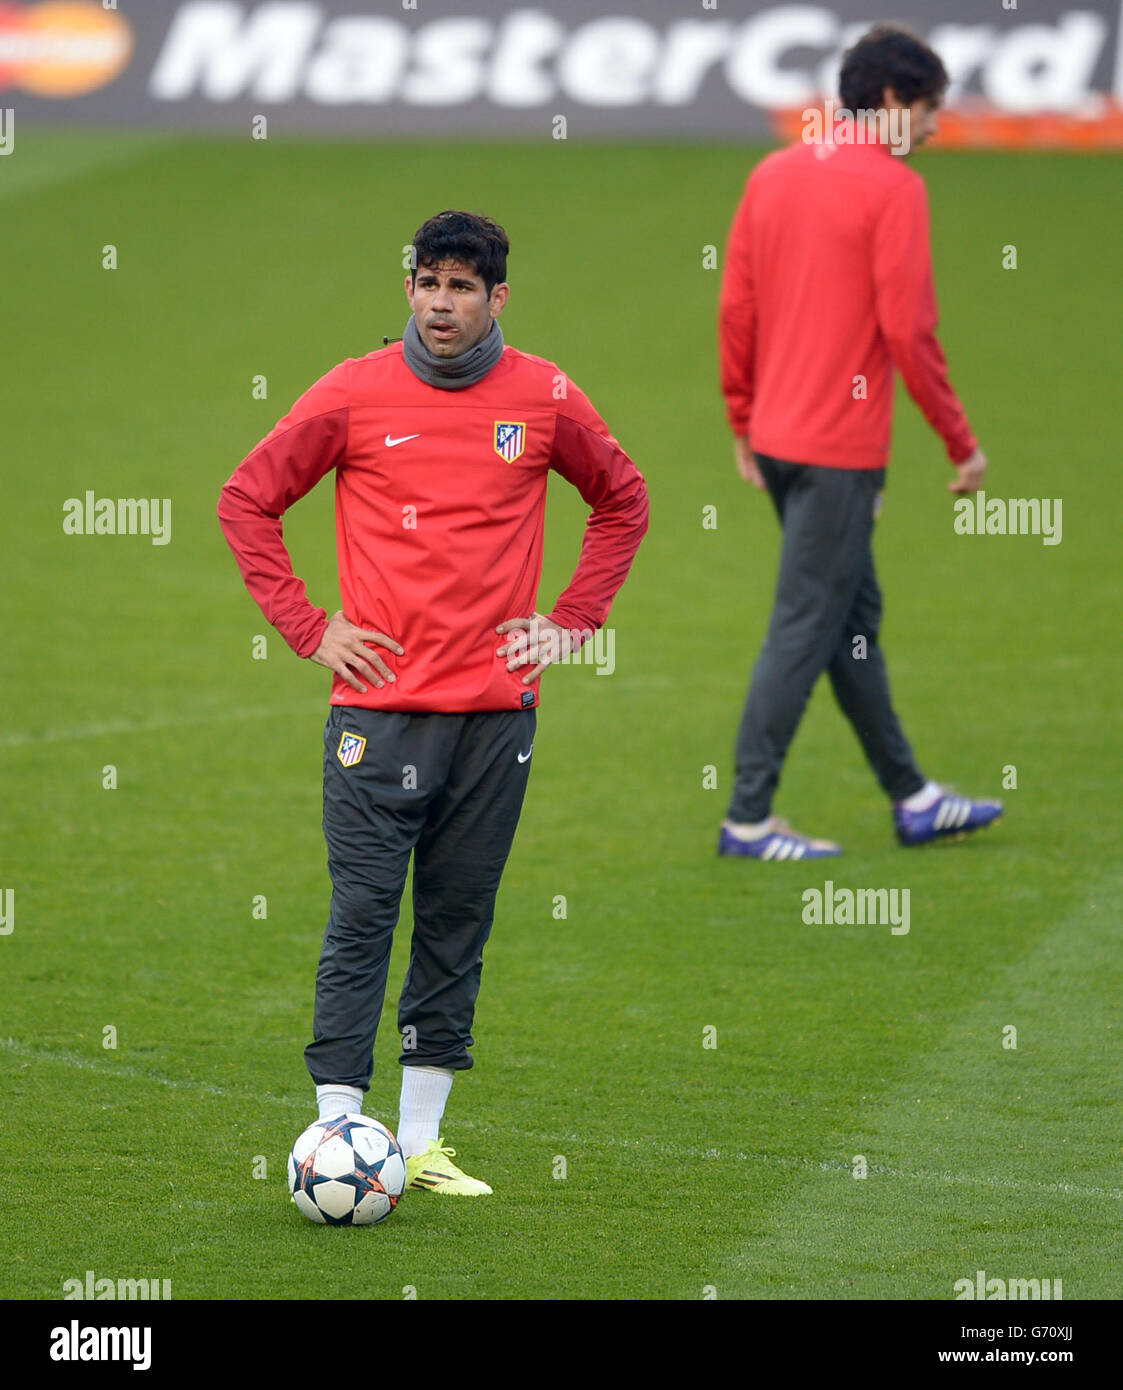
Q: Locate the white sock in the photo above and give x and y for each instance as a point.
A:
(339, 1100)
(424, 1096)
(741, 830)
(927, 796)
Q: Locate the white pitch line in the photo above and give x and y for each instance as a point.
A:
(920, 1175)
(95, 1064)
(1113, 1194)
(107, 727)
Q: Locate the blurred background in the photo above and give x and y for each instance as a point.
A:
(1024, 72)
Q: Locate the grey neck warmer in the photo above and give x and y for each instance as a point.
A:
(452, 373)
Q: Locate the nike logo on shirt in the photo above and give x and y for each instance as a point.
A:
(525, 757)
(391, 442)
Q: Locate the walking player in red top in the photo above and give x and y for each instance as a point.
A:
(827, 288)
(441, 446)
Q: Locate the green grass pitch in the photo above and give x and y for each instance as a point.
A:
(687, 1167)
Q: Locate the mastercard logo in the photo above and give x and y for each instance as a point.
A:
(62, 48)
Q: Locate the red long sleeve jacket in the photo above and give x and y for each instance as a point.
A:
(440, 507)
(827, 287)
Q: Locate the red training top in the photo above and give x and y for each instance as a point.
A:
(828, 278)
(440, 504)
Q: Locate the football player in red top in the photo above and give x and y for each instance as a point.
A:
(442, 445)
(827, 289)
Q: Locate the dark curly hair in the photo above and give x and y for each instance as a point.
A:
(890, 56)
(465, 237)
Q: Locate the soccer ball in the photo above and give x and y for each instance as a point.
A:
(347, 1171)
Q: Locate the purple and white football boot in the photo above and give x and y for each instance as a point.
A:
(779, 841)
(949, 816)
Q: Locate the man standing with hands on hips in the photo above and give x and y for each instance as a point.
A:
(441, 445)
(827, 288)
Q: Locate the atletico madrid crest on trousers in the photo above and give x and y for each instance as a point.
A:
(510, 439)
(351, 749)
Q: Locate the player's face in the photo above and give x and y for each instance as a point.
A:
(452, 307)
(922, 115)
(923, 119)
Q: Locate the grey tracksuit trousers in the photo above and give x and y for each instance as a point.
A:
(826, 596)
(447, 788)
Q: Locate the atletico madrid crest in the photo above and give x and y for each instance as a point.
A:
(510, 439)
(351, 749)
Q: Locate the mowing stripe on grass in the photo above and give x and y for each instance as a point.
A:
(45, 159)
(106, 727)
(678, 1151)
(846, 1237)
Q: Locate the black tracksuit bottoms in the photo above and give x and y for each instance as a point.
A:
(447, 788)
(827, 596)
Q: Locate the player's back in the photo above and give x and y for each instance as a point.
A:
(822, 378)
